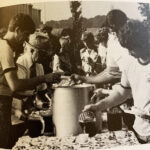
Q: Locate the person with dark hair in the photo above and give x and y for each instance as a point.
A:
(102, 39)
(135, 79)
(132, 35)
(46, 57)
(115, 52)
(115, 19)
(26, 26)
(91, 62)
(24, 22)
(115, 61)
(64, 61)
(19, 29)
(66, 32)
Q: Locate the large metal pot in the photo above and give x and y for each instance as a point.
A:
(67, 106)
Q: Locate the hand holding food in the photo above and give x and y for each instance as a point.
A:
(53, 77)
(77, 78)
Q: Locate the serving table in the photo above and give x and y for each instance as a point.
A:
(99, 141)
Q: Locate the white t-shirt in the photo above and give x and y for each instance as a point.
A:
(137, 77)
(24, 71)
(6, 64)
(90, 59)
(102, 51)
(115, 53)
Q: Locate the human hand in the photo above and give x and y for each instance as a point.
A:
(53, 77)
(76, 78)
(90, 107)
(98, 94)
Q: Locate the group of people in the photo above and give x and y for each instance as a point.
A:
(127, 62)
(19, 73)
(31, 58)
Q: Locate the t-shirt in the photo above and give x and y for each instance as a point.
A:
(115, 53)
(24, 64)
(90, 61)
(102, 51)
(62, 63)
(6, 64)
(137, 76)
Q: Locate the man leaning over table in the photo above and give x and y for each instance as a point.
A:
(115, 62)
(19, 28)
(115, 20)
(135, 78)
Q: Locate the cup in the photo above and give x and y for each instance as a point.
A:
(83, 138)
(87, 121)
(36, 126)
(114, 121)
(47, 117)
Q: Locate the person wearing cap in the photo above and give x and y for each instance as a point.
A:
(91, 63)
(19, 29)
(28, 67)
(29, 61)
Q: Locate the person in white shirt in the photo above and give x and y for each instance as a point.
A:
(29, 59)
(135, 78)
(115, 52)
(115, 59)
(102, 39)
(91, 63)
(29, 66)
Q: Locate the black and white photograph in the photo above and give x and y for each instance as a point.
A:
(74, 75)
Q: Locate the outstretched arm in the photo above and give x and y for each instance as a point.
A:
(16, 84)
(117, 97)
(108, 75)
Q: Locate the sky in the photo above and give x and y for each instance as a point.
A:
(60, 10)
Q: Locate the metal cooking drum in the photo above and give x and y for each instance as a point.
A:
(67, 106)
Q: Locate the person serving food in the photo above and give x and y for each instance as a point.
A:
(135, 78)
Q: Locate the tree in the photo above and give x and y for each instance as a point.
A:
(145, 11)
(75, 8)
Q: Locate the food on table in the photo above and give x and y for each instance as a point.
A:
(82, 138)
(99, 141)
(65, 82)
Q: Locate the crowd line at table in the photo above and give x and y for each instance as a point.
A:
(116, 60)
